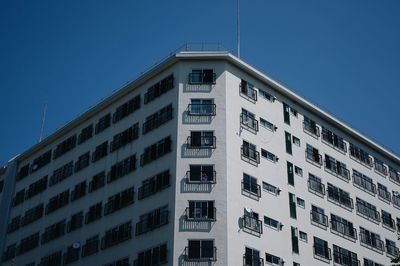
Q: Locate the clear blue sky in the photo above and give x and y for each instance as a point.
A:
(341, 55)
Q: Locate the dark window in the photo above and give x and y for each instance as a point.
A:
(290, 173)
(272, 259)
(380, 167)
(14, 224)
(79, 191)
(53, 231)
(19, 197)
(83, 161)
(250, 153)
(41, 161)
(28, 243)
(202, 76)
(247, 90)
(116, 235)
(65, 147)
(157, 119)
(370, 239)
(201, 250)
(360, 155)
(249, 184)
(53, 259)
(103, 123)
(71, 255)
(159, 89)
(333, 139)
(120, 262)
(286, 113)
(311, 127)
(321, 249)
(32, 215)
(125, 137)
(75, 222)
(94, 213)
(91, 246)
(85, 134)
(36, 188)
(154, 184)
(153, 256)
(367, 210)
(126, 109)
(122, 168)
(201, 174)
(292, 206)
(248, 121)
(295, 240)
(9, 252)
(364, 182)
(155, 151)
(152, 220)
(340, 196)
(23, 172)
(119, 201)
(250, 221)
(57, 202)
(100, 151)
(344, 257)
(201, 139)
(201, 211)
(201, 107)
(61, 173)
(251, 257)
(97, 181)
(343, 227)
(288, 140)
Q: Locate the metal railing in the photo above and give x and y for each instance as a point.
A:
(203, 142)
(384, 194)
(252, 224)
(202, 109)
(198, 78)
(379, 167)
(335, 142)
(319, 218)
(368, 211)
(364, 183)
(314, 157)
(316, 186)
(251, 188)
(343, 229)
(251, 154)
(340, 198)
(201, 177)
(201, 214)
(249, 122)
(311, 128)
(251, 260)
(388, 221)
(248, 91)
(322, 251)
(392, 250)
(152, 222)
(345, 259)
(200, 254)
(372, 242)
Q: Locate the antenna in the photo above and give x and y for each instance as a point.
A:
(43, 119)
(238, 29)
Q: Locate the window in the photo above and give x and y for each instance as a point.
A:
(201, 107)
(53, 259)
(337, 168)
(391, 248)
(57, 202)
(334, 140)
(251, 257)
(155, 151)
(344, 257)
(40, 161)
(360, 155)
(75, 222)
(343, 227)
(367, 210)
(201, 211)
(339, 196)
(271, 188)
(126, 109)
(91, 246)
(292, 206)
(266, 95)
(267, 124)
(311, 127)
(290, 173)
(201, 139)
(32, 215)
(65, 147)
(119, 201)
(125, 137)
(250, 153)
(153, 256)
(202, 76)
(28, 243)
(273, 260)
(370, 239)
(288, 141)
(120, 262)
(71, 255)
(272, 223)
(152, 220)
(296, 141)
(94, 213)
(122, 168)
(157, 119)
(249, 184)
(286, 113)
(53, 231)
(318, 217)
(83, 161)
(321, 249)
(315, 185)
(79, 191)
(159, 89)
(387, 220)
(103, 123)
(85, 134)
(61, 173)
(154, 184)
(269, 155)
(97, 181)
(9, 252)
(116, 235)
(100, 152)
(383, 193)
(23, 172)
(19, 197)
(301, 203)
(363, 182)
(293, 112)
(201, 174)
(303, 236)
(394, 175)
(312, 155)
(200, 250)
(248, 121)
(14, 224)
(247, 90)
(298, 171)
(380, 167)
(250, 222)
(368, 262)
(295, 240)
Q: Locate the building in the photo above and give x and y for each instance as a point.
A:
(203, 160)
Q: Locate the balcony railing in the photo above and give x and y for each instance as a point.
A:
(343, 229)
(387, 221)
(322, 252)
(394, 176)
(384, 194)
(313, 157)
(152, 222)
(316, 186)
(392, 250)
(251, 260)
(251, 188)
(396, 200)
(250, 154)
(379, 167)
(203, 142)
(368, 212)
(249, 122)
(311, 128)
(336, 142)
(199, 78)
(318, 218)
(372, 242)
(341, 199)
(344, 259)
(202, 109)
(200, 254)
(248, 91)
(201, 177)
(201, 214)
(342, 172)
(363, 183)
(252, 224)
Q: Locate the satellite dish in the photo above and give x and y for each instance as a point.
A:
(76, 245)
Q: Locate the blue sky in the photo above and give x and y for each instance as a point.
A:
(342, 55)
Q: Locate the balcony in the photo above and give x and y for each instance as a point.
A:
(313, 157)
(371, 242)
(394, 176)
(250, 155)
(392, 251)
(252, 260)
(342, 200)
(200, 254)
(311, 128)
(396, 200)
(332, 166)
(363, 183)
(319, 219)
(322, 252)
(368, 213)
(201, 177)
(247, 91)
(252, 190)
(388, 222)
(202, 142)
(252, 225)
(201, 109)
(334, 141)
(316, 187)
(384, 195)
(152, 222)
(198, 214)
(345, 259)
(249, 123)
(380, 168)
(344, 230)
(205, 76)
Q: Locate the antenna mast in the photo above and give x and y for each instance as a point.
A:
(238, 29)
(43, 120)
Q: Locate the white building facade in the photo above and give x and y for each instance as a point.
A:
(203, 160)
